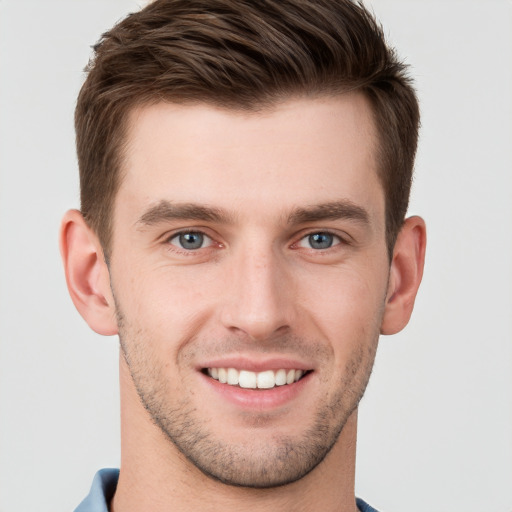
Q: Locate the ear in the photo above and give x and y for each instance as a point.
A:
(87, 274)
(405, 275)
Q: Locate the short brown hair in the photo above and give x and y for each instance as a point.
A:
(241, 54)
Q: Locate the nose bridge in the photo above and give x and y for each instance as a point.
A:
(258, 293)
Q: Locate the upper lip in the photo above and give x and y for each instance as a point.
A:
(256, 363)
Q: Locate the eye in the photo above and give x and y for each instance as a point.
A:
(191, 240)
(320, 240)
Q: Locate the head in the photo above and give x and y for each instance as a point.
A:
(246, 167)
(241, 56)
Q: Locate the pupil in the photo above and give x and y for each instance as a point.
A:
(320, 240)
(191, 240)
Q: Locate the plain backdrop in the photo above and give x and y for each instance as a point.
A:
(436, 422)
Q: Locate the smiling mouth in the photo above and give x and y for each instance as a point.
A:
(255, 380)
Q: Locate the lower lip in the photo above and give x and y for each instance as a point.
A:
(259, 398)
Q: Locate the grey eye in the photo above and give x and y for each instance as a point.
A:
(321, 240)
(191, 241)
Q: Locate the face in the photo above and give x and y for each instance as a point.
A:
(250, 272)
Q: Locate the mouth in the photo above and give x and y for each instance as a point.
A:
(246, 379)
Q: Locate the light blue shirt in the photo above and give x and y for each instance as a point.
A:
(102, 490)
(105, 483)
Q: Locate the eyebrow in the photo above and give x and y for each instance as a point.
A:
(335, 210)
(166, 211)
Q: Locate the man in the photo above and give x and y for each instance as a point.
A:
(245, 170)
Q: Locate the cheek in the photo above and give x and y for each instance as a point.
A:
(165, 301)
(345, 305)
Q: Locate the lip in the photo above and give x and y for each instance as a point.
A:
(258, 399)
(256, 365)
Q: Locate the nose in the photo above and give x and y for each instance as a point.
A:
(258, 296)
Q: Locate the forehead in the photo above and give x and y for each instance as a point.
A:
(297, 153)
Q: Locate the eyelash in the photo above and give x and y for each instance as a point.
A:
(337, 240)
(190, 251)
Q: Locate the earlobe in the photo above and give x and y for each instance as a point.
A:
(87, 273)
(405, 275)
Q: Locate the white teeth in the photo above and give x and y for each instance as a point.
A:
(266, 380)
(223, 375)
(280, 377)
(232, 377)
(255, 380)
(247, 379)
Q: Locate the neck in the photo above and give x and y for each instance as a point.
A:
(156, 476)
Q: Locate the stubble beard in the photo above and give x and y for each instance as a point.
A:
(257, 463)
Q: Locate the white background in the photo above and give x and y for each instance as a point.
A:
(436, 423)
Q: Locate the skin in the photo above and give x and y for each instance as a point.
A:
(257, 294)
